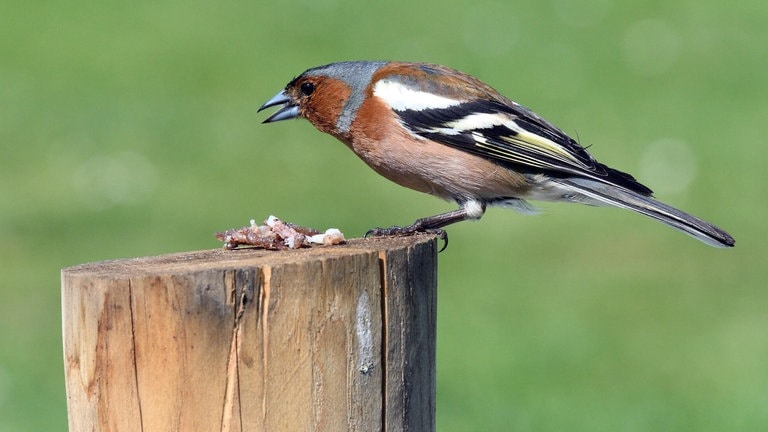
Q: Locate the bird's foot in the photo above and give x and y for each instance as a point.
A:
(416, 228)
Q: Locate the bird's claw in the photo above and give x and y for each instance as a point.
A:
(396, 231)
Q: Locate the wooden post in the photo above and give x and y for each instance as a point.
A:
(335, 338)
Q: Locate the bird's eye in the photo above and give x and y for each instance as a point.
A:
(307, 88)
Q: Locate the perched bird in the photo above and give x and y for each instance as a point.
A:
(440, 131)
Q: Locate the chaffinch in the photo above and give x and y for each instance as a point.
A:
(443, 132)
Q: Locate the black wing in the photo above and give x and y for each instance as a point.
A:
(512, 136)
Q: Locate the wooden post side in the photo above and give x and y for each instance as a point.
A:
(321, 339)
(410, 336)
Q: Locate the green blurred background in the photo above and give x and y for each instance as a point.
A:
(130, 129)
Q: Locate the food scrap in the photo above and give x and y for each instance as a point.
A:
(276, 234)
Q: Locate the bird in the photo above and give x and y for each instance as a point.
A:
(443, 132)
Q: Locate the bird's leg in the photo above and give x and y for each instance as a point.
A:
(430, 225)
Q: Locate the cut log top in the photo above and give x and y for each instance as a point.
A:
(184, 262)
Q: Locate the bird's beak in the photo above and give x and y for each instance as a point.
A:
(288, 111)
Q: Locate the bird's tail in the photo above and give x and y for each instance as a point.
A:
(602, 193)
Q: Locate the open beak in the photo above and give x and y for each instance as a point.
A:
(289, 109)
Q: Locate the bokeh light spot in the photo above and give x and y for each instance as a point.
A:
(668, 165)
(105, 181)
